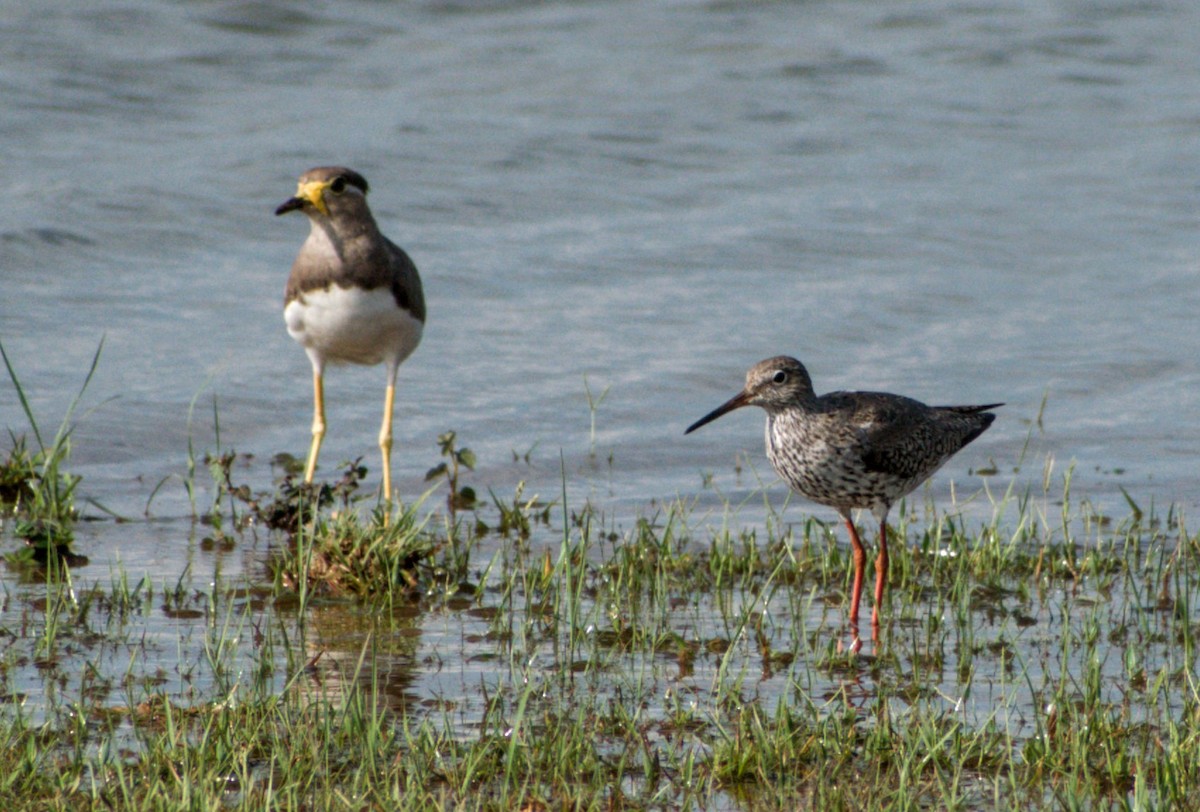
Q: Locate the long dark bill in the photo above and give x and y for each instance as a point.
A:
(291, 204)
(736, 402)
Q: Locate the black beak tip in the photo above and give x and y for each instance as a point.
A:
(291, 204)
(704, 421)
(736, 402)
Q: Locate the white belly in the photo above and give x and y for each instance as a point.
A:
(352, 325)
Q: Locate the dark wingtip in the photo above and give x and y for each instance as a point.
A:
(970, 409)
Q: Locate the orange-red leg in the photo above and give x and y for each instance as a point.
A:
(860, 564)
(881, 571)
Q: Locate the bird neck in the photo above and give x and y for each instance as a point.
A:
(347, 240)
(799, 403)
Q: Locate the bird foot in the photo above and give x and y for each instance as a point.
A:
(855, 646)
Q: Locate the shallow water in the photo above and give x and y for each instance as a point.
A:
(962, 202)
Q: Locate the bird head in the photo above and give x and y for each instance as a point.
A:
(328, 191)
(772, 384)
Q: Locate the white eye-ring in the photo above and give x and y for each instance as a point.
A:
(780, 376)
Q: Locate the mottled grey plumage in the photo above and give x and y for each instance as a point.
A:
(852, 450)
(353, 295)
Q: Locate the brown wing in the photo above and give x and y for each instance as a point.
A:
(406, 282)
(902, 437)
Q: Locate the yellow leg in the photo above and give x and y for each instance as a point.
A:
(318, 427)
(385, 440)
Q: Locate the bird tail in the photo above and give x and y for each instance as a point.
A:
(969, 409)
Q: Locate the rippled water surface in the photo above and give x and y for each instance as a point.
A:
(958, 201)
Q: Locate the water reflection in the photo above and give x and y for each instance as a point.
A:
(352, 647)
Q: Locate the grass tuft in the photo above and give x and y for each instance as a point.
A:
(35, 486)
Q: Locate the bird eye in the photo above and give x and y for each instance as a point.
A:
(338, 185)
(780, 376)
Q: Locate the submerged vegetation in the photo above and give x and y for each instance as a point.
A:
(531, 653)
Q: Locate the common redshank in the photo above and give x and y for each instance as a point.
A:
(353, 295)
(852, 450)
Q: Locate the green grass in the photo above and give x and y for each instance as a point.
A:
(34, 486)
(532, 653)
(667, 666)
